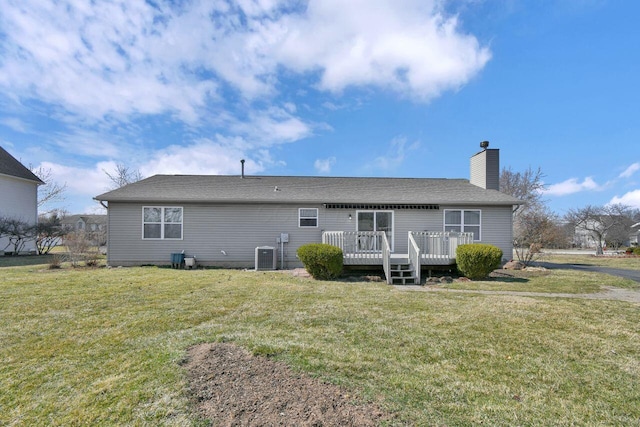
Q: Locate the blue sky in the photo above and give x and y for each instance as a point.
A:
(338, 88)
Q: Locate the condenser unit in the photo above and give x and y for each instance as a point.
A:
(266, 257)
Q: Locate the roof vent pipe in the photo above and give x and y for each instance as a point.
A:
(242, 163)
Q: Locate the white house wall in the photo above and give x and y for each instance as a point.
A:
(226, 235)
(19, 200)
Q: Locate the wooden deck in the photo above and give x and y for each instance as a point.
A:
(430, 248)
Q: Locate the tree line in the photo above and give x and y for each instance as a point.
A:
(536, 227)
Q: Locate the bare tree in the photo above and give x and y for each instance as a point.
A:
(51, 191)
(50, 232)
(600, 221)
(526, 186)
(534, 225)
(18, 233)
(77, 247)
(123, 175)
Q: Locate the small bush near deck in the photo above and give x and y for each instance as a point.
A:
(322, 261)
(55, 262)
(477, 260)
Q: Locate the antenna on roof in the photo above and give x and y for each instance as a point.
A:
(242, 163)
(484, 144)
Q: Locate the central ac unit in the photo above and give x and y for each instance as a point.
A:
(266, 257)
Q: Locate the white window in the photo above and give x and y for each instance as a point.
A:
(460, 220)
(308, 217)
(161, 222)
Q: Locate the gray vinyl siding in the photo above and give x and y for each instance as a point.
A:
(497, 229)
(495, 226)
(208, 230)
(237, 229)
(485, 169)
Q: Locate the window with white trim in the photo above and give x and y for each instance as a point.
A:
(308, 217)
(160, 222)
(463, 220)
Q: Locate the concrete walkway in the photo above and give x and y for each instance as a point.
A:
(609, 293)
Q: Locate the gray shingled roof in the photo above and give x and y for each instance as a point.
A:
(299, 189)
(12, 167)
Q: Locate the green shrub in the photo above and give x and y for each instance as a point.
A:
(636, 250)
(322, 261)
(477, 260)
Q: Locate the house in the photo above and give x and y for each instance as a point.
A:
(18, 196)
(634, 236)
(94, 226)
(398, 223)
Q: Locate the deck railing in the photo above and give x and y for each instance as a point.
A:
(386, 257)
(425, 247)
(414, 257)
(358, 247)
(439, 246)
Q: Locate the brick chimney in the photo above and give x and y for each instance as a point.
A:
(485, 168)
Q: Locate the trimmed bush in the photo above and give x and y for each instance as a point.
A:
(477, 260)
(322, 261)
(636, 250)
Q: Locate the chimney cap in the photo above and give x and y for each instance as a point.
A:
(484, 144)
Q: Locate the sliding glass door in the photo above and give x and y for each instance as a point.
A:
(374, 221)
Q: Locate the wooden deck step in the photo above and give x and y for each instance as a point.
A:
(402, 274)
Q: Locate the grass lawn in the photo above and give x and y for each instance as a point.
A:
(550, 281)
(626, 262)
(104, 346)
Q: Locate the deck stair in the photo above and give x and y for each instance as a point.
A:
(402, 273)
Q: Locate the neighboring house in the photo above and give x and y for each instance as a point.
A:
(85, 222)
(222, 220)
(18, 195)
(635, 234)
(94, 226)
(585, 239)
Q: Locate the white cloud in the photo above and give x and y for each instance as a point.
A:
(219, 157)
(14, 123)
(324, 165)
(87, 143)
(97, 60)
(89, 181)
(409, 47)
(628, 172)
(571, 186)
(631, 199)
(122, 58)
(398, 148)
(271, 126)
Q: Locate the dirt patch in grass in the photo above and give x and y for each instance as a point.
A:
(234, 388)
